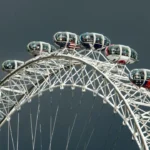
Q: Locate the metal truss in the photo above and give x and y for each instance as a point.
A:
(85, 69)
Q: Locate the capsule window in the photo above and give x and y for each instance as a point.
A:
(136, 55)
(78, 41)
(87, 38)
(99, 40)
(34, 46)
(133, 54)
(114, 50)
(72, 38)
(61, 37)
(125, 51)
(106, 41)
(53, 48)
(142, 74)
(133, 72)
(148, 75)
(9, 65)
(19, 63)
(45, 48)
(138, 75)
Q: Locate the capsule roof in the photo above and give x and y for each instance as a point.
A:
(121, 54)
(10, 65)
(38, 47)
(96, 40)
(140, 77)
(62, 39)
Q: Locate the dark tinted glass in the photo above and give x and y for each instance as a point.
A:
(125, 51)
(99, 39)
(19, 64)
(45, 48)
(113, 50)
(35, 46)
(53, 48)
(9, 65)
(148, 75)
(87, 37)
(137, 77)
(61, 37)
(107, 42)
(134, 54)
(72, 38)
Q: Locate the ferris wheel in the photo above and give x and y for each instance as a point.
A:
(88, 62)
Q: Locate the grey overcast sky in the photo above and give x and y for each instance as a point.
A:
(123, 21)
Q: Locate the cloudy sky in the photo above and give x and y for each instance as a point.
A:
(123, 21)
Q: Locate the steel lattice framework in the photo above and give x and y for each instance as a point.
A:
(88, 70)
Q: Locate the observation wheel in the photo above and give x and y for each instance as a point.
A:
(85, 69)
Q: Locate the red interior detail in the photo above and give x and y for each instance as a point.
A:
(106, 51)
(122, 62)
(147, 85)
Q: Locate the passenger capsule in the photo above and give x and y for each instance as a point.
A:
(121, 54)
(10, 65)
(95, 40)
(66, 39)
(38, 47)
(140, 77)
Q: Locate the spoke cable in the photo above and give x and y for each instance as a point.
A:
(117, 138)
(108, 133)
(78, 105)
(17, 145)
(53, 127)
(8, 134)
(51, 117)
(71, 131)
(31, 126)
(100, 112)
(40, 126)
(86, 123)
(12, 137)
(35, 131)
(90, 138)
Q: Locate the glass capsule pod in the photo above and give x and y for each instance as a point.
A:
(66, 39)
(38, 47)
(10, 65)
(95, 40)
(121, 54)
(140, 77)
